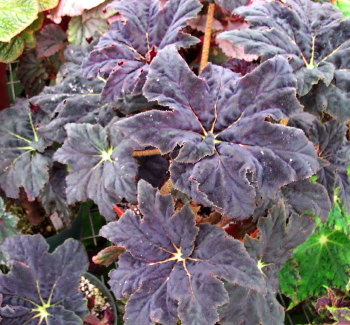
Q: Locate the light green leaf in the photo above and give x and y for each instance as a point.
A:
(340, 314)
(344, 7)
(16, 15)
(79, 31)
(11, 51)
(47, 4)
(324, 261)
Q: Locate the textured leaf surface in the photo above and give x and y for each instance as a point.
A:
(101, 166)
(23, 161)
(277, 240)
(304, 196)
(171, 267)
(74, 99)
(332, 145)
(11, 51)
(16, 15)
(311, 35)
(37, 278)
(125, 51)
(47, 4)
(8, 223)
(79, 31)
(53, 196)
(230, 5)
(249, 307)
(224, 131)
(50, 40)
(323, 261)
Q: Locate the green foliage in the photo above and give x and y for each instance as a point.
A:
(344, 7)
(323, 261)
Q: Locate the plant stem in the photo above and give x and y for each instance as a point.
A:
(149, 152)
(207, 36)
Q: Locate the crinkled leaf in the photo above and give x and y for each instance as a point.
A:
(53, 196)
(125, 51)
(332, 145)
(75, 99)
(8, 223)
(311, 35)
(32, 73)
(79, 31)
(11, 51)
(24, 162)
(230, 5)
(333, 99)
(37, 278)
(47, 4)
(224, 131)
(338, 219)
(248, 307)
(171, 267)
(50, 40)
(101, 167)
(16, 15)
(304, 196)
(323, 261)
(277, 240)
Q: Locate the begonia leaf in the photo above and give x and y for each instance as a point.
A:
(101, 166)
(53, 196)
(313, 36)
(171, 267)
(50, 40)
(248, 307)
(8, 222)
(344, 7)
(25, 162)
(230, 5)
(305, 196)
(224, 131)
(42, 286)
(15, 16)
(74, 100)
(47, 4)
(11, 51)
(323, 261)
(330, 139)
(71, 8)
(277, 240)
(125, 51)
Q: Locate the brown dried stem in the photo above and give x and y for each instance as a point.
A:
(207, 36)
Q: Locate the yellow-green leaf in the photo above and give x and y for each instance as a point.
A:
(15, 16)
(11, 51)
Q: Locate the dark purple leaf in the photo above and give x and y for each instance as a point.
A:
(171, 267)
(125, 51)
(76, 99)
(312, 36)
(101, 166)
(333, 146)
(277, 240)
(50, 40)
(39, 279)
(53, 196)
(247, 307)
(230, 5)
(227, 127)
(333, 99)
(24, 162)
(304, 196)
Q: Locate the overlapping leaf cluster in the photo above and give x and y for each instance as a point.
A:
(42, 287)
